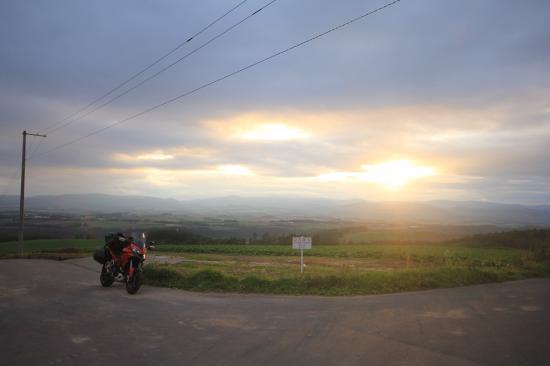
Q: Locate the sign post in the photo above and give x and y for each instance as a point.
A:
(301, 242)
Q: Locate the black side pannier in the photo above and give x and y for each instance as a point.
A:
(99, 255)
(109, 237)
(116, 242)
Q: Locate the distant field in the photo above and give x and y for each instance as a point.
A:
(330, 270)
(49, 245)
(395, 236)
(422, 253)
(341, 269)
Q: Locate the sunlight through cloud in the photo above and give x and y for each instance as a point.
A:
(234, 170)
(152, 156)
(274, 132)
(392, 174)
(156, 156)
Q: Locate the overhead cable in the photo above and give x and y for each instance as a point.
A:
(238, 71)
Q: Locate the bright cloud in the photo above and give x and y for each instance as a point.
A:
(158, 156)
(391, 174)
(152, 156)
(234, 170)
(261, 126)
(274, 132)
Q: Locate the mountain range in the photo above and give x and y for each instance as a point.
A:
(441, 212)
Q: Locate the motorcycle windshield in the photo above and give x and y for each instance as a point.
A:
(139, 239)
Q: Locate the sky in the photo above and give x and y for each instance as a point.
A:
(424, 100)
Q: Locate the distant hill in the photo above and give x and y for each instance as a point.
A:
(92, 203)
(440, 212)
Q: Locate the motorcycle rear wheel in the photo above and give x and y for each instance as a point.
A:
(106, 278)
(133, 284)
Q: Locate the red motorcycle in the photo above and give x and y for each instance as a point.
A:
(122, 260)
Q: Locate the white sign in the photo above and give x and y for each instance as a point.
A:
(301, 242)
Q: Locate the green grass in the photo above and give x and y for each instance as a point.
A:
(395, 235)
(342, 269)
(50, 245)
(331, 269)
(374, 282)
(434, 254)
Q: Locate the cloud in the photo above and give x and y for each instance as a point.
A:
(460, 87)
(273, 132)
(234, 170)
(392, 174)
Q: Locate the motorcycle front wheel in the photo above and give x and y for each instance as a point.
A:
(133, 284)
(106, 278)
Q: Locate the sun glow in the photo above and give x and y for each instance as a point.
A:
(274, 132)
(234, 170)
(155, 156)
(150, 156)
(393, 174)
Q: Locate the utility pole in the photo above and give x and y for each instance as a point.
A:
(22, 196)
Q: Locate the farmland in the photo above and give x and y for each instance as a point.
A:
(50, 245)
(330, 269)
(343, 269)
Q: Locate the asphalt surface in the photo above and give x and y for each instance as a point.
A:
(56, 313)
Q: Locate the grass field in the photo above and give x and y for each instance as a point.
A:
(330, 270)
(395, 236)
(50, 245)
(343, 269)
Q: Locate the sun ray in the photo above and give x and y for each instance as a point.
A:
(392, 174)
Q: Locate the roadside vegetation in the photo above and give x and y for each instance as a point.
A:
(344, 270)
(50, 248)
(332, 269)
(375, 282)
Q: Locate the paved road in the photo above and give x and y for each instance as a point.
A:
(56, 313)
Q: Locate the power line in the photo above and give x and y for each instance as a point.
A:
(157, 106)
(180, 45)
(163, 69)
(34, 144)
(36, 147)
